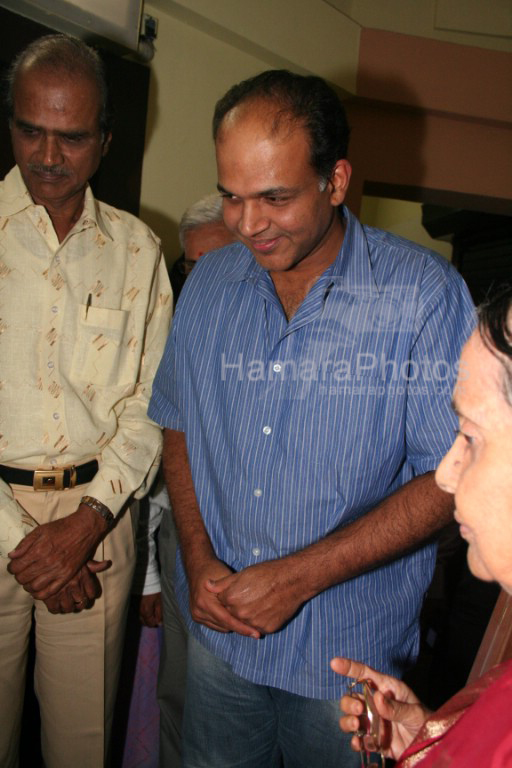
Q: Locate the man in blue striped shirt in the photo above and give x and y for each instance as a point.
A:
(305, 394)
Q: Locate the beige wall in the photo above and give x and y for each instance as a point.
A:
(402, 218)
(190, 71)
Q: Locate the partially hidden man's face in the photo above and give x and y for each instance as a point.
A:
(273, 200)
(56, 139)
(478, 467)
(202, 239)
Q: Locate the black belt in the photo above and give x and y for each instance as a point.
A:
(50, 479)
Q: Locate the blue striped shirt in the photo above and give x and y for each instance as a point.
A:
(295, 428)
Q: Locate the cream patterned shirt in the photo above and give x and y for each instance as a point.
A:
(83, 324)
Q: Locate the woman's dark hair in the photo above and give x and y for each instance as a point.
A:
(308, 100)
(495, 326)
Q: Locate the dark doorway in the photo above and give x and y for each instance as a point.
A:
(482, 245)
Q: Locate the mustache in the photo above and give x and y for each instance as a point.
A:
(52, 170)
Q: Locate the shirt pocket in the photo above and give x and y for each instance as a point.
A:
(99, 351)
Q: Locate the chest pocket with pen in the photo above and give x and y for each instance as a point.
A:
(100, 353)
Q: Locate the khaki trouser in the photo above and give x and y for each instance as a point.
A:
(77, 655)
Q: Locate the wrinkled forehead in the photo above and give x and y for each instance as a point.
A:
(42, 75)
(41, 92)
(481, 382)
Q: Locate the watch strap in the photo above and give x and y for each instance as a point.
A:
(99, 507)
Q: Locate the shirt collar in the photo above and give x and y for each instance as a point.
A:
(93, 215)
(352, 270)
(16, 198)
(245, 267)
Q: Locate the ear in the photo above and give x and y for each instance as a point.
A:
(106, 144)
(339, 181)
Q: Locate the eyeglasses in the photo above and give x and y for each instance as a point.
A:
(370, 724)
(185, 266)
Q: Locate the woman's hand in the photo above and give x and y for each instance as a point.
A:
(394, 702)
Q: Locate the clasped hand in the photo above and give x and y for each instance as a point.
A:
(256, 601)
(80, 592)
(53, 562)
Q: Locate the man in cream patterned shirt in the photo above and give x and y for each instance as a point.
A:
(85, 306)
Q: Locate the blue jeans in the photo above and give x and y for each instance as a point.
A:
(230, 722)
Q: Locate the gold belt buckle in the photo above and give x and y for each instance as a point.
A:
(53, 479)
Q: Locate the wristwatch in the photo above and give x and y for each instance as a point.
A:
(103, 510)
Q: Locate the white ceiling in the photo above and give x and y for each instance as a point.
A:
(482, 23)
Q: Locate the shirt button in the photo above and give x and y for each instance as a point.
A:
(56, 416)
(267, 430)
(258, 492)
(256, 551)
(55, 309)
(277, 367)
(51, 364)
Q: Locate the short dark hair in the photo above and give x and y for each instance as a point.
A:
(62, 53)
(495, 326)
(308, 99)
